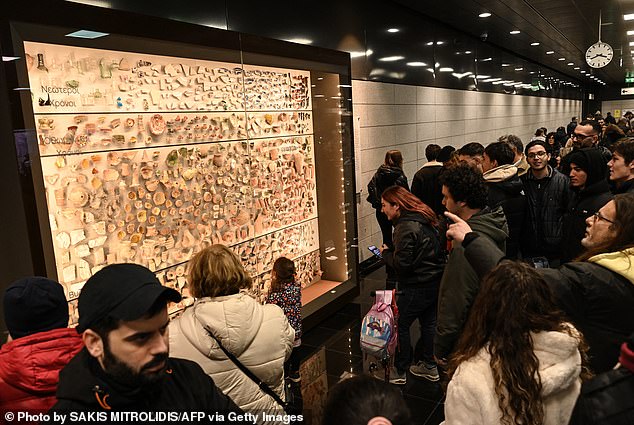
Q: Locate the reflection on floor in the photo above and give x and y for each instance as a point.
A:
(331, 352)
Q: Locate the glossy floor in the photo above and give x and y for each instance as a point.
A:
(331, 352)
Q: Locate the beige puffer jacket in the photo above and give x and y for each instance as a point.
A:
(258, 335)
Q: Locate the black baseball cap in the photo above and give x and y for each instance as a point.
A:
(121, 291)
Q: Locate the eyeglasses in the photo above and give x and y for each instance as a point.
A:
(597, 216)
(537, 155)
(580, 136)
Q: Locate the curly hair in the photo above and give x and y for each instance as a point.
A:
(216, 271)
(396, 195)
(465, 184)
(496, 324)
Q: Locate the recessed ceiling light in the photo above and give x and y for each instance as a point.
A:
(391, 58)
(583, 72)
(535, 44)
(299, 40)
(416, 64)
(484, 15)
(467, 52)
(506, 64)
(576, 67)
(446, 69)
(10, 58)
(550, 52)
(486, 59)
(438, 43)
(630, 33)
(628, 17)
(437, 64)
(519, 69)
(87, 34)
(514, 32)
(562, 59)
(430, 43)
(570, 63)
(393, 30)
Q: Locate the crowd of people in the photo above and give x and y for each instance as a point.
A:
(537, 292)
(517, 262)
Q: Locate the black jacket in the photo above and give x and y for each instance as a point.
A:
(607, 399)
(625, 187)
(426, 186)
(597, 298)
(508, 191)
(384, 177)
(546, 202)
(83, 386)
(582, 205)
(417, 257)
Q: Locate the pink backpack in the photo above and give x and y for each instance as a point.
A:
(379, 334)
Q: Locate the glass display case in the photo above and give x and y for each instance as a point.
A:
(146, 151)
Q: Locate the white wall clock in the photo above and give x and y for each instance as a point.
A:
(599, 54)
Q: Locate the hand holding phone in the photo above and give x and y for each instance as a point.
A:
(376, 251)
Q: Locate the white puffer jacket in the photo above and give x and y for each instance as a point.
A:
(471, 397)
(258, 335)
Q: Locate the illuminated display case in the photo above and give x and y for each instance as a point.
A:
(146, 151)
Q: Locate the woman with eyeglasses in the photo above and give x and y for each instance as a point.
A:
(596, 291)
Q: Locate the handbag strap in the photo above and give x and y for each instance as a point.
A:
(261, 384)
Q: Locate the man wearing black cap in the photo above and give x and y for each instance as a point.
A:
(40, 344)
(588, 181)
(126, 365)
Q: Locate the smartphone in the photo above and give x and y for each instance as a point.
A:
(375, 251)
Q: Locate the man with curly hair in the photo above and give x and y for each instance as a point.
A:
(464, 194)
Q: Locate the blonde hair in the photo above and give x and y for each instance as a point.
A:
(216, 271)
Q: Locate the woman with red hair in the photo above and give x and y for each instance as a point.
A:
(419, 261)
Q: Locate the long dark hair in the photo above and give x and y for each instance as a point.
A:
(354, 401)
(284, 274)
(498, 323)
(623, 227)
(396, 195)
(394, 158)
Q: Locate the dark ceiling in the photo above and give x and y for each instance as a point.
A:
(451, 27)
(567, 27)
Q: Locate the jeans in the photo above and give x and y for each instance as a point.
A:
(386, 227)
(416, 303)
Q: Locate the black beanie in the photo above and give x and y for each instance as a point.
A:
(34, 304)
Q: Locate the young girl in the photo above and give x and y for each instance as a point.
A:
(286, 293)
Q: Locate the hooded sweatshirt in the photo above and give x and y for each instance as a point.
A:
(506, 189)
(471, 396)
(586, 201)
(384, 177)
(29, 368)
(258, 335)
(460, 283)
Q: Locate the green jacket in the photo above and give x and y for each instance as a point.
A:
(460, 283)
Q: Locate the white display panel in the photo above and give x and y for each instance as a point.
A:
(147, 159)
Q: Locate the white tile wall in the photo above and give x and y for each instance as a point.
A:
(609, 106)
(408, 118)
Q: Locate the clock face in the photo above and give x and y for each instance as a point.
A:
(599, 55)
